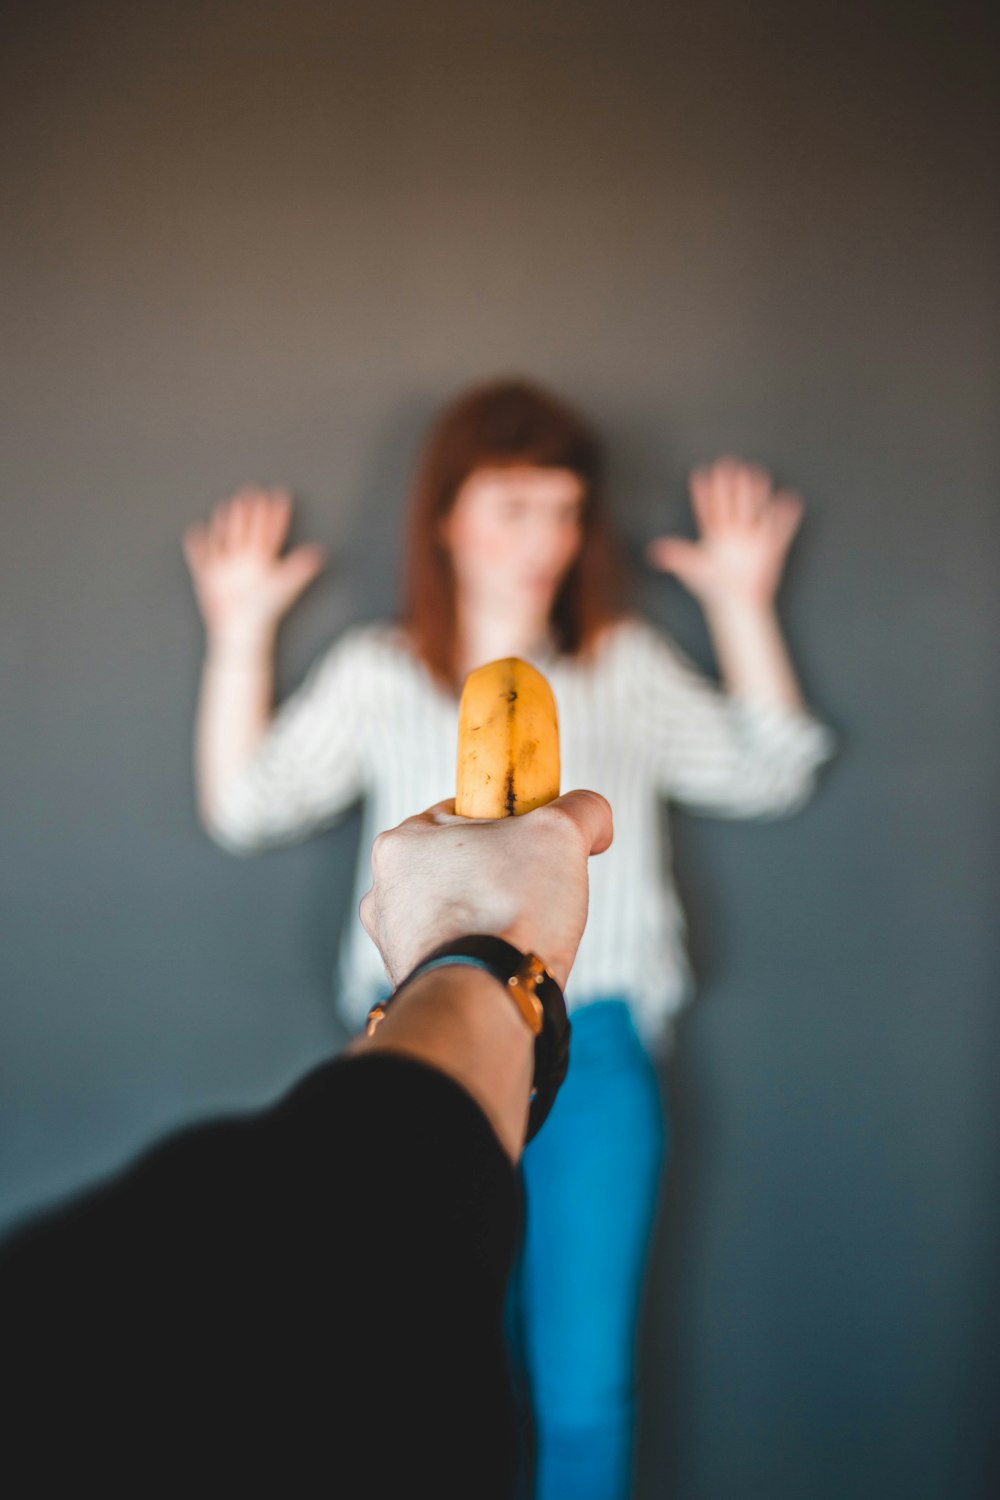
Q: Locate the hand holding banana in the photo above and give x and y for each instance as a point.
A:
(442, 874)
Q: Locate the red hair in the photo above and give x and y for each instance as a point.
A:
(505, 423)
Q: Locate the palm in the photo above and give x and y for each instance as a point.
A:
(745, 530)
(242, 583)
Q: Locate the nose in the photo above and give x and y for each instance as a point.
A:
(551, 540)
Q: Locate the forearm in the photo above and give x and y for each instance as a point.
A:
(460, 1021)
(235, 707)
(752, 655)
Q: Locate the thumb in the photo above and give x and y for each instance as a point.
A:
(592, 815)
(301, 566)
(673, 554)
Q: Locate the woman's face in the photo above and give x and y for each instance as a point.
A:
(512, 534)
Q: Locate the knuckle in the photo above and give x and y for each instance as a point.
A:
(385, 849)
(378, 852)
(562, 823)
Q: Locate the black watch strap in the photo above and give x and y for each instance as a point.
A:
(532, 989)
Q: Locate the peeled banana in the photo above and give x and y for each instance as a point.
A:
(508, 741)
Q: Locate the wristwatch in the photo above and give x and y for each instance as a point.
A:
(531, 988)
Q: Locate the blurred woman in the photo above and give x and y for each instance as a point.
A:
(509, 554)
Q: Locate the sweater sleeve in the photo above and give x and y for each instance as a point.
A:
(716, 753)
(310, 766)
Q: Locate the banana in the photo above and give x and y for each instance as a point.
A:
(508, 741)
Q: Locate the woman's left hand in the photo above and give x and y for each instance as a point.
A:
(746, 528)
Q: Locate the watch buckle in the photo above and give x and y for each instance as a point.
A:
(522, 985)
(375, 1018)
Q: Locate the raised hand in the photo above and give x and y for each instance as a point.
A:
(745, 530)
(241, 582)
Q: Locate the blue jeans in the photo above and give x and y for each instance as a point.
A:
(591, 1180)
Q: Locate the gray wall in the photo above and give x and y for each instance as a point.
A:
(258, 241)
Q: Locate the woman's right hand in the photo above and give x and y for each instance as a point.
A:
(242, 584)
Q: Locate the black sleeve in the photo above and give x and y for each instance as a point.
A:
(315, 1290)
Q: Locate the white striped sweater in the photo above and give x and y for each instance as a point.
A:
(637, 722)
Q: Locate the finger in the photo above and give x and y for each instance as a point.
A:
(301, 567)
(751, 488)
(237, 515)
(784, 516)
(259, 509)
(444, 812)
(727, 477)
(672, 554)
(240, 511)
(195, 546)
(702, 489)
(226, 522)
(441, 814)
(738, 492)
(274, 520)
(592, 815)
(218, 525)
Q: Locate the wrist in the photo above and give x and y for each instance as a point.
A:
(473, 992)
(552, 954)
(739, 608)
(240, 647)
(484, 964)
(458, 1021)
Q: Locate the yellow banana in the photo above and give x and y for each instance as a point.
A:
(508, 741)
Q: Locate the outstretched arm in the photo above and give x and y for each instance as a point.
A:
(369, 1218)
(244, 588)
(734, 569)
